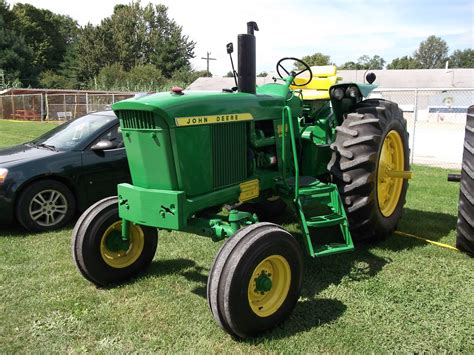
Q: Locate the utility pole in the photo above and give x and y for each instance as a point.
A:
(207, 58)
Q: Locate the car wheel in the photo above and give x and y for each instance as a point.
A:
(45, 205)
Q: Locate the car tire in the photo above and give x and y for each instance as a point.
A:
(45, 205)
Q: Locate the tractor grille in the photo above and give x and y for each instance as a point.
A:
(136, 119)
(229, 153)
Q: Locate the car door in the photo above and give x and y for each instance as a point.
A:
(102, 170)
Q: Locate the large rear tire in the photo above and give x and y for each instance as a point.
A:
(98, 250)
(255, 280)
(371, 142)
(465, 225)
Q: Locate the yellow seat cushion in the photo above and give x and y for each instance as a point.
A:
(318, 88)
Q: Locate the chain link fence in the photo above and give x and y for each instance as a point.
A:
(435, 117)
(436, 120)
(51, 107)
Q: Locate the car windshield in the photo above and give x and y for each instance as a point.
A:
(72, 134)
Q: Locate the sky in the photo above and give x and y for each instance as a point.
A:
(342, 29)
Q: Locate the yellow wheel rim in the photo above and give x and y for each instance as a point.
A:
(389, 186)
(269, 285)
(120, 257)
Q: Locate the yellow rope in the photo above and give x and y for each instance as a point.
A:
(427, 240)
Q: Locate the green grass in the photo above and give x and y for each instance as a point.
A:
(14, 132)
(400, 295)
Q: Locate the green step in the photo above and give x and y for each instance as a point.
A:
(328, 220)
(330, 249)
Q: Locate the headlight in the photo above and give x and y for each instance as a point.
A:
(3, 175)
(352, 91)
(337, 93)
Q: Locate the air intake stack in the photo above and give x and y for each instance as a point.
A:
(247, 59)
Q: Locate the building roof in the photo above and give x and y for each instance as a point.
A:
(417, 78)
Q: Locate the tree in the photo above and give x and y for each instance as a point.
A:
(314, 59)
(462, 59)
(365, 62)
(15, 55)
(145, 75)
(263, 74)
(229, 75)
(111, 77)
(132, 36)
(51, 80)
(405, 62)
(46, 33)
(432, 53)
(349, 66)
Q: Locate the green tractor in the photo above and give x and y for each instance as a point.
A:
(304, 142)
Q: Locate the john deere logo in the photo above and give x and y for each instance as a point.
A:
(199, 120)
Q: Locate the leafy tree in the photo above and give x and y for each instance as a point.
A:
(15, 55)
(349, 66)
(111, 77)
(462, 59)
(52, 80)
(132, 36)
(366, 62)
(314, 59)
(229, 75)
(263, 74)
(432, 53)
(46, 33)
(144, 75)
(92, 52)
(404, 62)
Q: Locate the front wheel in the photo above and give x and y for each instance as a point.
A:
(255, 280)
(98, 250)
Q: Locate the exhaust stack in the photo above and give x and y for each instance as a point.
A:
(247, 59)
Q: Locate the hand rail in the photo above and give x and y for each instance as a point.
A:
(287, 112)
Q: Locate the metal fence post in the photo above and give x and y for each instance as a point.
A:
(87, 102)
(47, 105)
(41, 107)
(414, 127)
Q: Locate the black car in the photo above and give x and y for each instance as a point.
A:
(43, 183)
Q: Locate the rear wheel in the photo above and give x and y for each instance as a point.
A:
(255, 280)
(465, 225)
(98, 250)
(370, 156)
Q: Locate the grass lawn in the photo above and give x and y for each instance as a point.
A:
(400, 295)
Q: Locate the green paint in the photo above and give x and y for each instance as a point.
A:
(115, 243)
(263, 283)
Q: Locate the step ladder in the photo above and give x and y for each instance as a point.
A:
(305, 191)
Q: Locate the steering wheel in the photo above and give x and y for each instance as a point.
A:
(293, 73)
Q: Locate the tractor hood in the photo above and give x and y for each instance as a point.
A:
(186, 108)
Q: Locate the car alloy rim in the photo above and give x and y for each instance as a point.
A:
(269, 285)
(48, 208)
(389, 187)
(118, 253)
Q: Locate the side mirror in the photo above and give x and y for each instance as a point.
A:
(103, 144)
(230, 48)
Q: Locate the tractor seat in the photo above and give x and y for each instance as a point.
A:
(318, 88)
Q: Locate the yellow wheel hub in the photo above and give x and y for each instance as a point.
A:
(269, 285)
(119, 254)
(390, 173)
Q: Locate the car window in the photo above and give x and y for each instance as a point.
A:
(77, 132)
